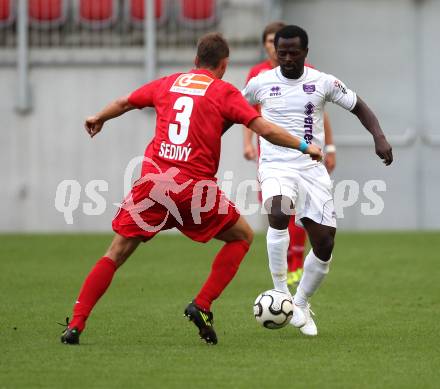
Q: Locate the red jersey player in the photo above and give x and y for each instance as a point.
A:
(178, 186)
(295, 253)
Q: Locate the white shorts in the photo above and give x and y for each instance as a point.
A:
(309, 189)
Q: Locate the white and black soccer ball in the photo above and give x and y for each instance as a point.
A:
(273, 309)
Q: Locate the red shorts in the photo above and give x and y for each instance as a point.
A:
(200, 210)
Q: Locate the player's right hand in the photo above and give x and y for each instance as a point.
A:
(383, 150)
(93, 125)
(250, 153)
(314, 152)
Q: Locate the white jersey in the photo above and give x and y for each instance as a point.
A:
(298, 106)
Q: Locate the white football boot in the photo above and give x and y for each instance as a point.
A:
(309, 328)
(299, 318)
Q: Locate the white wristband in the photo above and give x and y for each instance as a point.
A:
(330, 149)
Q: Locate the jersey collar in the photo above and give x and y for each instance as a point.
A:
(203, 71)
(291, 81)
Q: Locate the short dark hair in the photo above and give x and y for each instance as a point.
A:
(288, 32)
(272, 28)
(211, 49)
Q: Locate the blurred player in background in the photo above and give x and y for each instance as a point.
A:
(295, 252)
(177, 187)
(294, 96)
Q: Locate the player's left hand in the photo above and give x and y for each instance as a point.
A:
(250, 153)
(383, 150)
(93, 125)
(330, 162)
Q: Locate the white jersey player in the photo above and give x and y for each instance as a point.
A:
(298, 106)
(294, 96)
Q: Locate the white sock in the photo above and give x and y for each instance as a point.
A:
(314, 272)
(277, 244)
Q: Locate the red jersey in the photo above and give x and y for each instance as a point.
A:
(191, 112)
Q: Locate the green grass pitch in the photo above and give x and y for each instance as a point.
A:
(378, 316)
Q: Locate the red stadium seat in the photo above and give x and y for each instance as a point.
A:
(136, 11)
(97, 13)
(47, 13)
(7, 12)
(198, 13)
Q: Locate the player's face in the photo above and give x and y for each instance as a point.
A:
(291, 57)
(270, 48)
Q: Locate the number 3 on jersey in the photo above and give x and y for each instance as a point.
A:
(178, 133)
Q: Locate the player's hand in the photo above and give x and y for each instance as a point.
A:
(93, 125)
(383, 150)
(314, 152)
(250, 152)
(330, 162)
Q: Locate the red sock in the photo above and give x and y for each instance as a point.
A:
(295, 252)
(223, 270)
(93, 288)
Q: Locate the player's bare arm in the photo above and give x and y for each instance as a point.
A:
(330, 149)
(370, 122)
(249, 150)
(280, 137)
(93, 124)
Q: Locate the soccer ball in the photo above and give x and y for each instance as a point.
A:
(273, 309)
